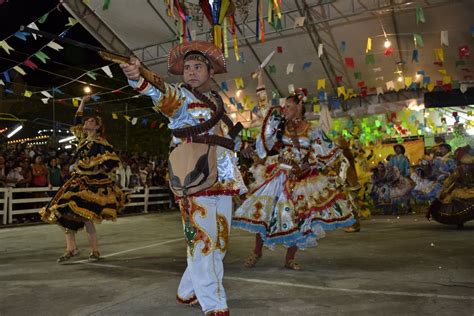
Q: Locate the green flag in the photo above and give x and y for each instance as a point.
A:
(418, 39)
(42, 56)
(420, 17)
(369, 59)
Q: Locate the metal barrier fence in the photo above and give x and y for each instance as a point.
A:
(17, 201)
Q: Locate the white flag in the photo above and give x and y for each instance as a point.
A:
(55, 46)
(378, 69)
(45, 100)
(444, 38)
(2, 83)
(33, 26)
(379, 90)
(390, 85)
(320, 50)
(289, 68)
(267, 59)
(107, 71)
(46, 94)
(291, 88)
(134, 120)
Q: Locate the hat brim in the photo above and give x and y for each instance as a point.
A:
(209, 50)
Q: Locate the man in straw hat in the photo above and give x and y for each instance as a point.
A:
(196, 117)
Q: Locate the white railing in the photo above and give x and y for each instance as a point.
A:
(4, 204)
(17, 201)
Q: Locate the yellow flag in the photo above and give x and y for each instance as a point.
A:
(408, 81)
(239, 83)
(431, 87)
(341, 91)
(75, 102)
(126, 117)
(316, 108)
(161, 125)
(28, 94)
(19, 70)
(369, 45)
(439, 54)
(321, 84)
(114, 116)
(446, 79)
(443, 72)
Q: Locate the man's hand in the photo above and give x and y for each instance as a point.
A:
(132, 69)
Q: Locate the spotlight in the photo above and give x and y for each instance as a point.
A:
(400, 79)
(87, 89)
(63, 140)
(387, 43)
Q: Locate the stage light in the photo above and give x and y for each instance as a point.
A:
(87, 89)
(387, 43)
(15, 130)
(63, 140)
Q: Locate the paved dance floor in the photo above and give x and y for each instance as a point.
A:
(405, 266)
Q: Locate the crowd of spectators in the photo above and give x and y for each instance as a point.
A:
(24, 166)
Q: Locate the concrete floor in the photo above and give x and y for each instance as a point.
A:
(405, 266)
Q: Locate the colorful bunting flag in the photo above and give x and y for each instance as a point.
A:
(224, 86)
(71, 22)
(19, 70)
(463, 51)
(418, 39)
(342, 47)
(43, 18)
(289, 68)
(414, 56)
(33, 26)
(7, 48)
(46, 94)
(320, 50)
(420, 17)
(388, 51)
(306, 65)
(390, 85)
(107, 71)
(444, 38)
(321, 84)
(6, 75)
(106, 5)
(239, 83)
(357, 75)
(55, 46)
(369, 59)
(42, 56)
(92, 75)
(439, 54)
(21, 35)
(349, 62)
(28, 94)
(369, 45)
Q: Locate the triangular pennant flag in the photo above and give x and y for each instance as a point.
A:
(224, 86)
(444, 38)
(153, 124)
(390, 85)
(443, 72)
(272, 69)
(8, 91)
(42, 56)
(6, 75)
(55, 46)
(349, 62)
(320, 50)
(379, 78)
(6, 47)
(144, 121)
(126, 117)
(22, 35)
(408, 81)
(106, 5)
(306, 65)
(107, 71)
(232, 100)
(414, 56)
(377, 69)
(71, 22)
(418, 39)
(369, 45)
(289, 68)
(44, 100)
(43, 18)
(95, 98)
(321, 84)
(92, 74)
(75, 102)
(161, 125)
(369, 59)
(338, 79)
(299, 21)
(341, 91)
(291, 88)
(2, 83)
(357, 75)
(388, 51)
(19, 70)
(439, 54)
(28, 94)
(361, 84)
(446, 79)
(420, 17)
(431, 87)
(114, 116)
(426, 80)
(239, 83)
(46, 94)
(57, 90)
(30, 64)
(134, 120)
(33, 26)
(379, 90)
(463, 51)
(342, 47)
